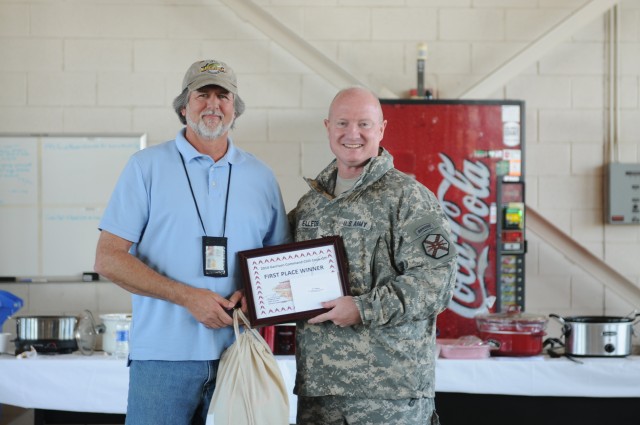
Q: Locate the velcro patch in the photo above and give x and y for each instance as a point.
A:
(308, 224)
(417, 230)
(354, 223)
(436, 245)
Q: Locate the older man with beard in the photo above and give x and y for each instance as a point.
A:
(179, 213)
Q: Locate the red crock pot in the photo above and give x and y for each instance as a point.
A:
(513, 333)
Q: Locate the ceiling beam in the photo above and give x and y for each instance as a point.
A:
(537, 49)
(582, 257)
(293, 43)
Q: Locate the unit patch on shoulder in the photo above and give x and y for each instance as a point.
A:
(436, 245)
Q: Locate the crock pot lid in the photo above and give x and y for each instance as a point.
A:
(86, 333)
(44, 317)
(116, 316)
(512, 317)
(598, 319)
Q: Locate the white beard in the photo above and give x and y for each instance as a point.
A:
(202, 130)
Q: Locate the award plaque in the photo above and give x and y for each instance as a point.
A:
(285, 283)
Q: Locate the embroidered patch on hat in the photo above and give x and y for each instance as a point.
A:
(212, 68)
(436, 245)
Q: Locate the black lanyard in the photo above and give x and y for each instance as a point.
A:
(226, 199)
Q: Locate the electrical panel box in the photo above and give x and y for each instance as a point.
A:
(623, 193)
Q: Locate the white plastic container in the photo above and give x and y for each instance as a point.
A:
(463, 349)
(4, 342)
(111, 322)
(122, 339)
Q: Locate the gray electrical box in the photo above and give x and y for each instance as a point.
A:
(623, 193)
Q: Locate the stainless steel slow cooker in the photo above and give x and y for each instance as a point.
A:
(46, 334)
(46, 327)
(596, 336)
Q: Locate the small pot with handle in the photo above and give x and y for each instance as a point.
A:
(597, 336)
(32, 328)
(46, 334)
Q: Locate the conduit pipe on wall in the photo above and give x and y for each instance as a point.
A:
(613, 86)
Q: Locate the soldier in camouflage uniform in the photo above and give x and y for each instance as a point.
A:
(370, 358)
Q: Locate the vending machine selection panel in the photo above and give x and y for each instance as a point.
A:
(512, 246)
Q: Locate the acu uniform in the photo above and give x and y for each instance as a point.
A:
(401, 268)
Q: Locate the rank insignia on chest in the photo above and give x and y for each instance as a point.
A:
(436, 246)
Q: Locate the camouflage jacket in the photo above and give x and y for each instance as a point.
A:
(401, 268)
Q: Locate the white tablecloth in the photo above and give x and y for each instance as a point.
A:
(77, 383)
(98, 383)
(541, 376)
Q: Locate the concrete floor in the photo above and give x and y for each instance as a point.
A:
(11, 415)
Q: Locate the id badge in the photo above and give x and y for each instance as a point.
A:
(214, 254)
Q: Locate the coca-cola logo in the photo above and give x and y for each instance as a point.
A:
(463, 194)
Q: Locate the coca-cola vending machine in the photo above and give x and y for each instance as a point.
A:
(470, 154)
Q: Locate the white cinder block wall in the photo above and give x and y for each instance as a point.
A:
(108, 66)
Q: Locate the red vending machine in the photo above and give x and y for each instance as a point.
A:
(470, 154)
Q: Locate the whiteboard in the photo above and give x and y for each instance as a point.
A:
(53, 191)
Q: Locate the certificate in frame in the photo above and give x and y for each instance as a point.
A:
(286, 283)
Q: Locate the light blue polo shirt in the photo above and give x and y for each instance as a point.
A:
(152, 207)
